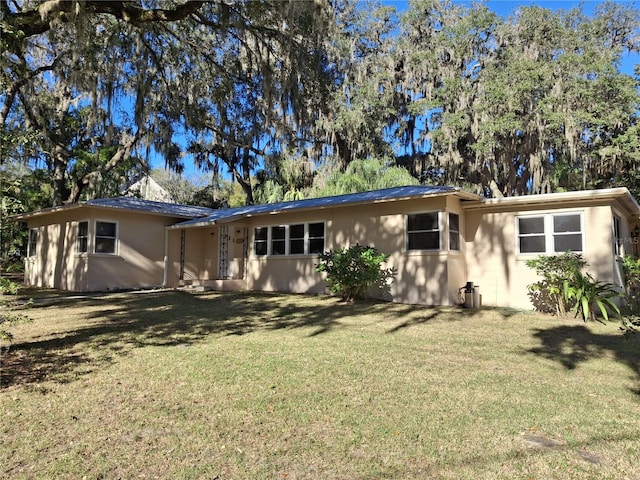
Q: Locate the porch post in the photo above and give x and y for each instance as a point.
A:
(165, 275)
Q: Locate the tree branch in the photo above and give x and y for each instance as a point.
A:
(12, 90)
(121, 154)
(38, 20)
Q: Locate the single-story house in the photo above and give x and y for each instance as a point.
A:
(438, 239)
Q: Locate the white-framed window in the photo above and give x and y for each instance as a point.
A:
(82, 237)
(295, 239)
(617, 236)
(33, 242)
(106, 236)
(423, 231)
(315, 242)
(454, 231)
(260, 240)
(279, 240)
(550, 233)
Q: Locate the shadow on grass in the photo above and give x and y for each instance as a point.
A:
(451, 314)
(115, 324)
(572, 345)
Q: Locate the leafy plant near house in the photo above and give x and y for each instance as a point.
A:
(631, 304)
(547, 294)
(589, 293)
(352, 271)
(8, 315)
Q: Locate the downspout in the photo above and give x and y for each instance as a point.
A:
(165, 275)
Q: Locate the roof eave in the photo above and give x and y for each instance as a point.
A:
(562, 197)
(43, 211)
(456, 191)
(137, 210)
(71, 206)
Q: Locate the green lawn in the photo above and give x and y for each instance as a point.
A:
(260, 386)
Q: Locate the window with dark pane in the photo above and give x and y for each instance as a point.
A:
(617, 237)
(278, 240)
(567, 233)
(531, 237)
(454, 231)
(316, 238)
(260, 240)
(83, 237)
(33, 242)
(105, 237)
(296, 239)
(423, 232)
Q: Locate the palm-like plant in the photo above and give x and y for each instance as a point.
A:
(589, 293)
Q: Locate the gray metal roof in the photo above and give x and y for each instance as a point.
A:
(125, 203)
(149, 206)
(387, 194)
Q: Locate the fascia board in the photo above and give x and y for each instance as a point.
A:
(540, 200)
(207, 223)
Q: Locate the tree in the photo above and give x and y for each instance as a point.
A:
(528, 105)
(285, 178)
(21, 190)
(362, 176)
(362, 102)
(62, 79)
(240, 78)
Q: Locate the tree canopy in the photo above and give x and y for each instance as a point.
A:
(285, 98)
(239, 78)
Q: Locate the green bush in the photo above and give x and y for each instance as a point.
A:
(352, 271)
(631, 267)
(588, 293)
(631, 303)
(547, 295)
(8, 315)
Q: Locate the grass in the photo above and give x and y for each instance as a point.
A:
(270, 386)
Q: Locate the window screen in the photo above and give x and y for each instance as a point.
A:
(423, 232)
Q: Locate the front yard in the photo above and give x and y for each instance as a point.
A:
(269, 386)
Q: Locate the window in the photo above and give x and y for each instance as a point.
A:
(297, 239)
(531, 235)
(316, 238)
(278, 240)
(423, 231)
(551, 233)
(567, 234)
(82, 240)
(106, 234)
(33, 242)
(260, 240)
(454, 231)
(617, 237)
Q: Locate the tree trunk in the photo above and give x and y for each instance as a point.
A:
(60, 162)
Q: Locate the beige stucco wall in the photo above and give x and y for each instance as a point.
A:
(138, 261)
(487, 257)
(423, 277)
(503, 276)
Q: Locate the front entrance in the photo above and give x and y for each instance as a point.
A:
(233, 252)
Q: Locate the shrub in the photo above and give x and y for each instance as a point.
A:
(8, 315)
(547, 295)
(631, 303)
(352, 271)
(589, 293)
(631, 267)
